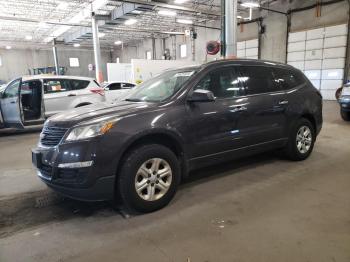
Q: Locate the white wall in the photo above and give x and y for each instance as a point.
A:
(16, 62)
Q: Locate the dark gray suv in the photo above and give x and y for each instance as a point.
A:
(139, 150)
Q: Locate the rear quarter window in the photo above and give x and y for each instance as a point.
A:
(78, 84)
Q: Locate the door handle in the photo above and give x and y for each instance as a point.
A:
(283, 102)
(239, 109)
(72, 95)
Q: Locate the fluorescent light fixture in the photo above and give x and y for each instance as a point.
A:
(118, 42)
(63, 5)
(76, 45)
(8, 47)
(167, 13)
(180, 1)
(43, 25)
(250, 4)
(130, 21)
(173, 33)
(28, 37)
(184, 21)
(101, 35)
(239, 17)
(136, 12)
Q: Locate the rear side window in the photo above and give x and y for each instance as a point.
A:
(224, 83)
(78, 84)
(114, 86)
(288, 79)
(63, 85)
(258, 79)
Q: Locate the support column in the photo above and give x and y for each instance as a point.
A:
(154, 55)
(230, 28)
(54, 50)
(97, 49)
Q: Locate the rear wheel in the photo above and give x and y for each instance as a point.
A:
(149, 178)
(345, 115)
(301, 140)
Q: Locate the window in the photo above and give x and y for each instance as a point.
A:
(0, 61)
(74, 62)
(114, 86)
(183, 50)
(149, 55)
(62, 85)
(12, 89)
(288, 79)
(258, 79)
(127, 85)
(224, 83)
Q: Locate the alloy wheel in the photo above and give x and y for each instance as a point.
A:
(153, 179)
(304, 139)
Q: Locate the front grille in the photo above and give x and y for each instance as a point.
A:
(51, 136)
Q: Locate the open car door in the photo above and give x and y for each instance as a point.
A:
(10, 104)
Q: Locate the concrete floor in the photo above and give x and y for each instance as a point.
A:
(259, 209)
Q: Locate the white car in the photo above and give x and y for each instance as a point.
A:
(30, 100)
(117, 90)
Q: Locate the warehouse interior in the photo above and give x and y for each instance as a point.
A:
(257, 208)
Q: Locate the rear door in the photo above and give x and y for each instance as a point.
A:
(61, 94)
(265, 118)
(11, 105)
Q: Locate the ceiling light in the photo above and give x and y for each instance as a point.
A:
(130, 21)
(239, 17)
(180, 1)
(62, 5)
(167, 13)
(136, 12)
(184, 21)
(250, 4)
(118, 42)
(8, 47)
(76, 45)
(28, 37)
(100, 35)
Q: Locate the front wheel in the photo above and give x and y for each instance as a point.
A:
(345, 115)
(149, 178)
(301, 140)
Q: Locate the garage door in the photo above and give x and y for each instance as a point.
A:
(320, 54)
(248, 49)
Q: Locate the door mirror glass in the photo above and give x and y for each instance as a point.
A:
(201, 95)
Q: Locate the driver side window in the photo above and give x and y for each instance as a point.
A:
(12, 90)
(223, 83)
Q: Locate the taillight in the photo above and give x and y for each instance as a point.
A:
(99, 91)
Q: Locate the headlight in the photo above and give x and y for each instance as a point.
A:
(84, 132)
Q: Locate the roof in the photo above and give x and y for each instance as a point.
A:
(245, 62)
(36, 77)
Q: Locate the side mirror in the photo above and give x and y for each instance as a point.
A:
(201, 95)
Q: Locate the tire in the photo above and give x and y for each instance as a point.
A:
(300, 147)
(345, 115)
(154, 194)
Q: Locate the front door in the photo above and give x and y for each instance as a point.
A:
(213, 125)
(11, 105)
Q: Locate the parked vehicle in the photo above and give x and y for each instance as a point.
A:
(344, 101)
(29, 101)
(138, 150)
(117, 90)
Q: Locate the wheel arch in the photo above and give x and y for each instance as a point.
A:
(166, 138)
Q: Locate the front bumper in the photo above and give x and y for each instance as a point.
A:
(77, 170)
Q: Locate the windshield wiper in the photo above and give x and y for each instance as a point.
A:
(133, 100)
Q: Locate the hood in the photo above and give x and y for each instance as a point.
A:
(79, 115)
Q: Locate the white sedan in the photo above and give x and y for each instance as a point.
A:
(115, 91)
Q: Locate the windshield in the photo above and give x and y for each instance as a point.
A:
(161, 87)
